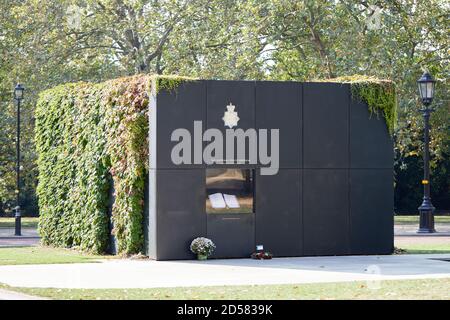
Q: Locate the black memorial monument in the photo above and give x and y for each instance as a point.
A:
(332, 194)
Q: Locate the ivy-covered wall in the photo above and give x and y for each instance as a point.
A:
(379, 95)
(87, 134)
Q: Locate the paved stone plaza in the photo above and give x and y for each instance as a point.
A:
(153, 274)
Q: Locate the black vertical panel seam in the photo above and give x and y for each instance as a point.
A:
(302, 122)
(205, 215)
(157, 222)
(254, 172)
(349, 222)
(155, 192)
(254, 104)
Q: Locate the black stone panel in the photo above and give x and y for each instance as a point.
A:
(178, 108)
(239, 93)
(180, 211)
(325, 212)
(233, 234)
(371, 145)
(324, 209)
(371, 211)
(326, 125)
(279, 106)
(278, 213)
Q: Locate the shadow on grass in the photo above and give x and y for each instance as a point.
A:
(45, 255)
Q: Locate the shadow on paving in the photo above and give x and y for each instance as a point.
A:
(384, 265)
(152, 274)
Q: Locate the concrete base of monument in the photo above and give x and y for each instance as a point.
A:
(156, 274)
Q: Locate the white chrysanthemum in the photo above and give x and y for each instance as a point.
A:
(202, 246)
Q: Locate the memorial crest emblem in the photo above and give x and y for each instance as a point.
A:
(230, 117)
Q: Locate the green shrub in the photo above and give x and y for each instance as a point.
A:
(87, 134)
(73, 184)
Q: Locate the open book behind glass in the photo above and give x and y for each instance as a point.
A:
(221, 201)
(231, 201)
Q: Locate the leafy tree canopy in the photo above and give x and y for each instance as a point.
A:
(44, 43)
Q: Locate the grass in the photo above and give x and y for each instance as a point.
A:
(407, 220)
(422, 245)
(426, 248)
(43, 255)
(26, 222)
(397, 289)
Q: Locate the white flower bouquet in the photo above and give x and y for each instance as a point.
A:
(202, 247)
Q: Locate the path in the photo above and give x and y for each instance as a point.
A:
(443, 229)
(10, 295)
(154, 274)
(30, 237)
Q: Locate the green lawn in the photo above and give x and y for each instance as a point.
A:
(426, 248)
(406, 220)
(26, 222)
(422, 245)
(399, 289)
(43, 255)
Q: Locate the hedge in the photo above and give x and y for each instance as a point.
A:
(89, 136)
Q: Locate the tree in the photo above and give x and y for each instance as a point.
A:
(316, 39)
(44, 43)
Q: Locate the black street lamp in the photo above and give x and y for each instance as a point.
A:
(18, 96)
(426, 89)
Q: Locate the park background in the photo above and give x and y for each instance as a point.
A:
(46, 43)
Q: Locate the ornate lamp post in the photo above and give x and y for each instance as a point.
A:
(426, 89)
(18, 96)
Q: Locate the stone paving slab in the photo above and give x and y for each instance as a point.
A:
(155, 274)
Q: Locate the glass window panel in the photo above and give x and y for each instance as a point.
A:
(423, 90)
(430, 87)
(229, 191)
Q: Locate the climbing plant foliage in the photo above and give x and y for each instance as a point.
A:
(379, 95)
(90, 137)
